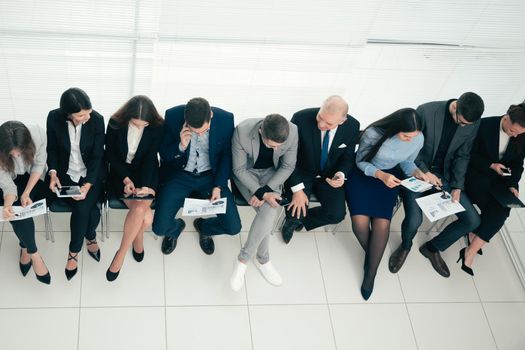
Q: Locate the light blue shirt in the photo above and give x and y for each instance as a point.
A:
(391, 153)
(199, 155)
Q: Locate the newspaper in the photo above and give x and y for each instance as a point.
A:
(438, 205)
(35, 209)
(416, 185)
(202, 207)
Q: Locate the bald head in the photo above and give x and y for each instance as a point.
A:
(332, 113)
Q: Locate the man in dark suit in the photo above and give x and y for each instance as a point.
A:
(327, 139)
(450, 128)
(195, 157)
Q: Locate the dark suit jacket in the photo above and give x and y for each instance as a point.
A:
(485, 151)
(458, 153)
(221, 131)
(91, 145)
(144, 168)
(341, 156)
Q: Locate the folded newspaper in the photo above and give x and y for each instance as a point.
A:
(416, 185)
(21, 213)
(202, 207)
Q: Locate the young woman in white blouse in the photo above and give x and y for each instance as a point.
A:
(75, 157)
(132, 141)
(22, 165)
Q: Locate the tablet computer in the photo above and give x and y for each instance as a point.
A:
(68, 191)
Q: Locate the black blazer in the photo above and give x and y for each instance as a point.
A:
(341, 156)
(485, 151)
(144, 168)
(91, 145)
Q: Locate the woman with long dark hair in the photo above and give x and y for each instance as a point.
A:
(75, 157)
(132, 141)
(372, 188)
(496, 164)
(22, 169)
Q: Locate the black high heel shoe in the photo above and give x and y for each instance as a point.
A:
(111, 276)
(24, 268)
(46, 279)
(480, 252)
(94, 255)
(137, 256)
(463, 266)
(71, 273)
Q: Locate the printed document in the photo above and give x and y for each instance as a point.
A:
(35, 209)
(202, 207)
(438, 205)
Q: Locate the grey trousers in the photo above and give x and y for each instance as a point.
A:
(262, 225)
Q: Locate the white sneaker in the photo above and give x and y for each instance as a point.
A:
(237, 277)
(269, 273)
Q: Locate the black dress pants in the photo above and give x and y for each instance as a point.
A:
(25, 229)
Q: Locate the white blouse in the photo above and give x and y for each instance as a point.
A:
(134, 137)
(77, 168)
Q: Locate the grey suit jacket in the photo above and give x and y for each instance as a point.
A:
(245, 150)
(458, 153)
(38, 135)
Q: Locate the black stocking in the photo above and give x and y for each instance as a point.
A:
(361, 228)
(375, 249)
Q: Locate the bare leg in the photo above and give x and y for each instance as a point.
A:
(133, 225)
(138, 243)
(471, 251)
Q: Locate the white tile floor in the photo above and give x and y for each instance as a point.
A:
(183, 301)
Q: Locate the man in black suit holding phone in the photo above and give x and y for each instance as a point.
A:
(326, 154)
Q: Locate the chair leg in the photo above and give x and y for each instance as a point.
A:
(102, 222)
(46, 224)
(50, 223)
(279, 221)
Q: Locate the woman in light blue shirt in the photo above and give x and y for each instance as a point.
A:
(373, 187)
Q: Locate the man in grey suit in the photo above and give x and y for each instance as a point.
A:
(450, 128)
(264, 153)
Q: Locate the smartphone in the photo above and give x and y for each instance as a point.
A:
(506, 171)
(68, 191)
(283, 202)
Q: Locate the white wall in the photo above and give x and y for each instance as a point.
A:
(260, 57)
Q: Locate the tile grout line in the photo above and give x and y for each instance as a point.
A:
(405, 301)
(80, 299)
(325, 292)
(165, 303)
(485, 313)
(247, 300)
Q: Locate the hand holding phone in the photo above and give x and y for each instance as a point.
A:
(505, 172)
(185, 136)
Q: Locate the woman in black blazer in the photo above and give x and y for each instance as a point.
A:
(500, 145)
(132, 141)
(75, 156)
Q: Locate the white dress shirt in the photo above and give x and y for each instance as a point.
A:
(134, 137)
(503, 140)
(77, 168)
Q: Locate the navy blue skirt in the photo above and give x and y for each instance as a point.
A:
(366, 195)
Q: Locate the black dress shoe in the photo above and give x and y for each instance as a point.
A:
(205, 241)
(46, 279)
(94, 255)
(139, 256)
(436, 260)
(71, 273)
(397, 259)
(170, 243)
(288, 229)
(24, 268)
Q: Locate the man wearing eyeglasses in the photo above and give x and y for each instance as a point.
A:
(196, 158)
(450, 128)
(327, 139)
